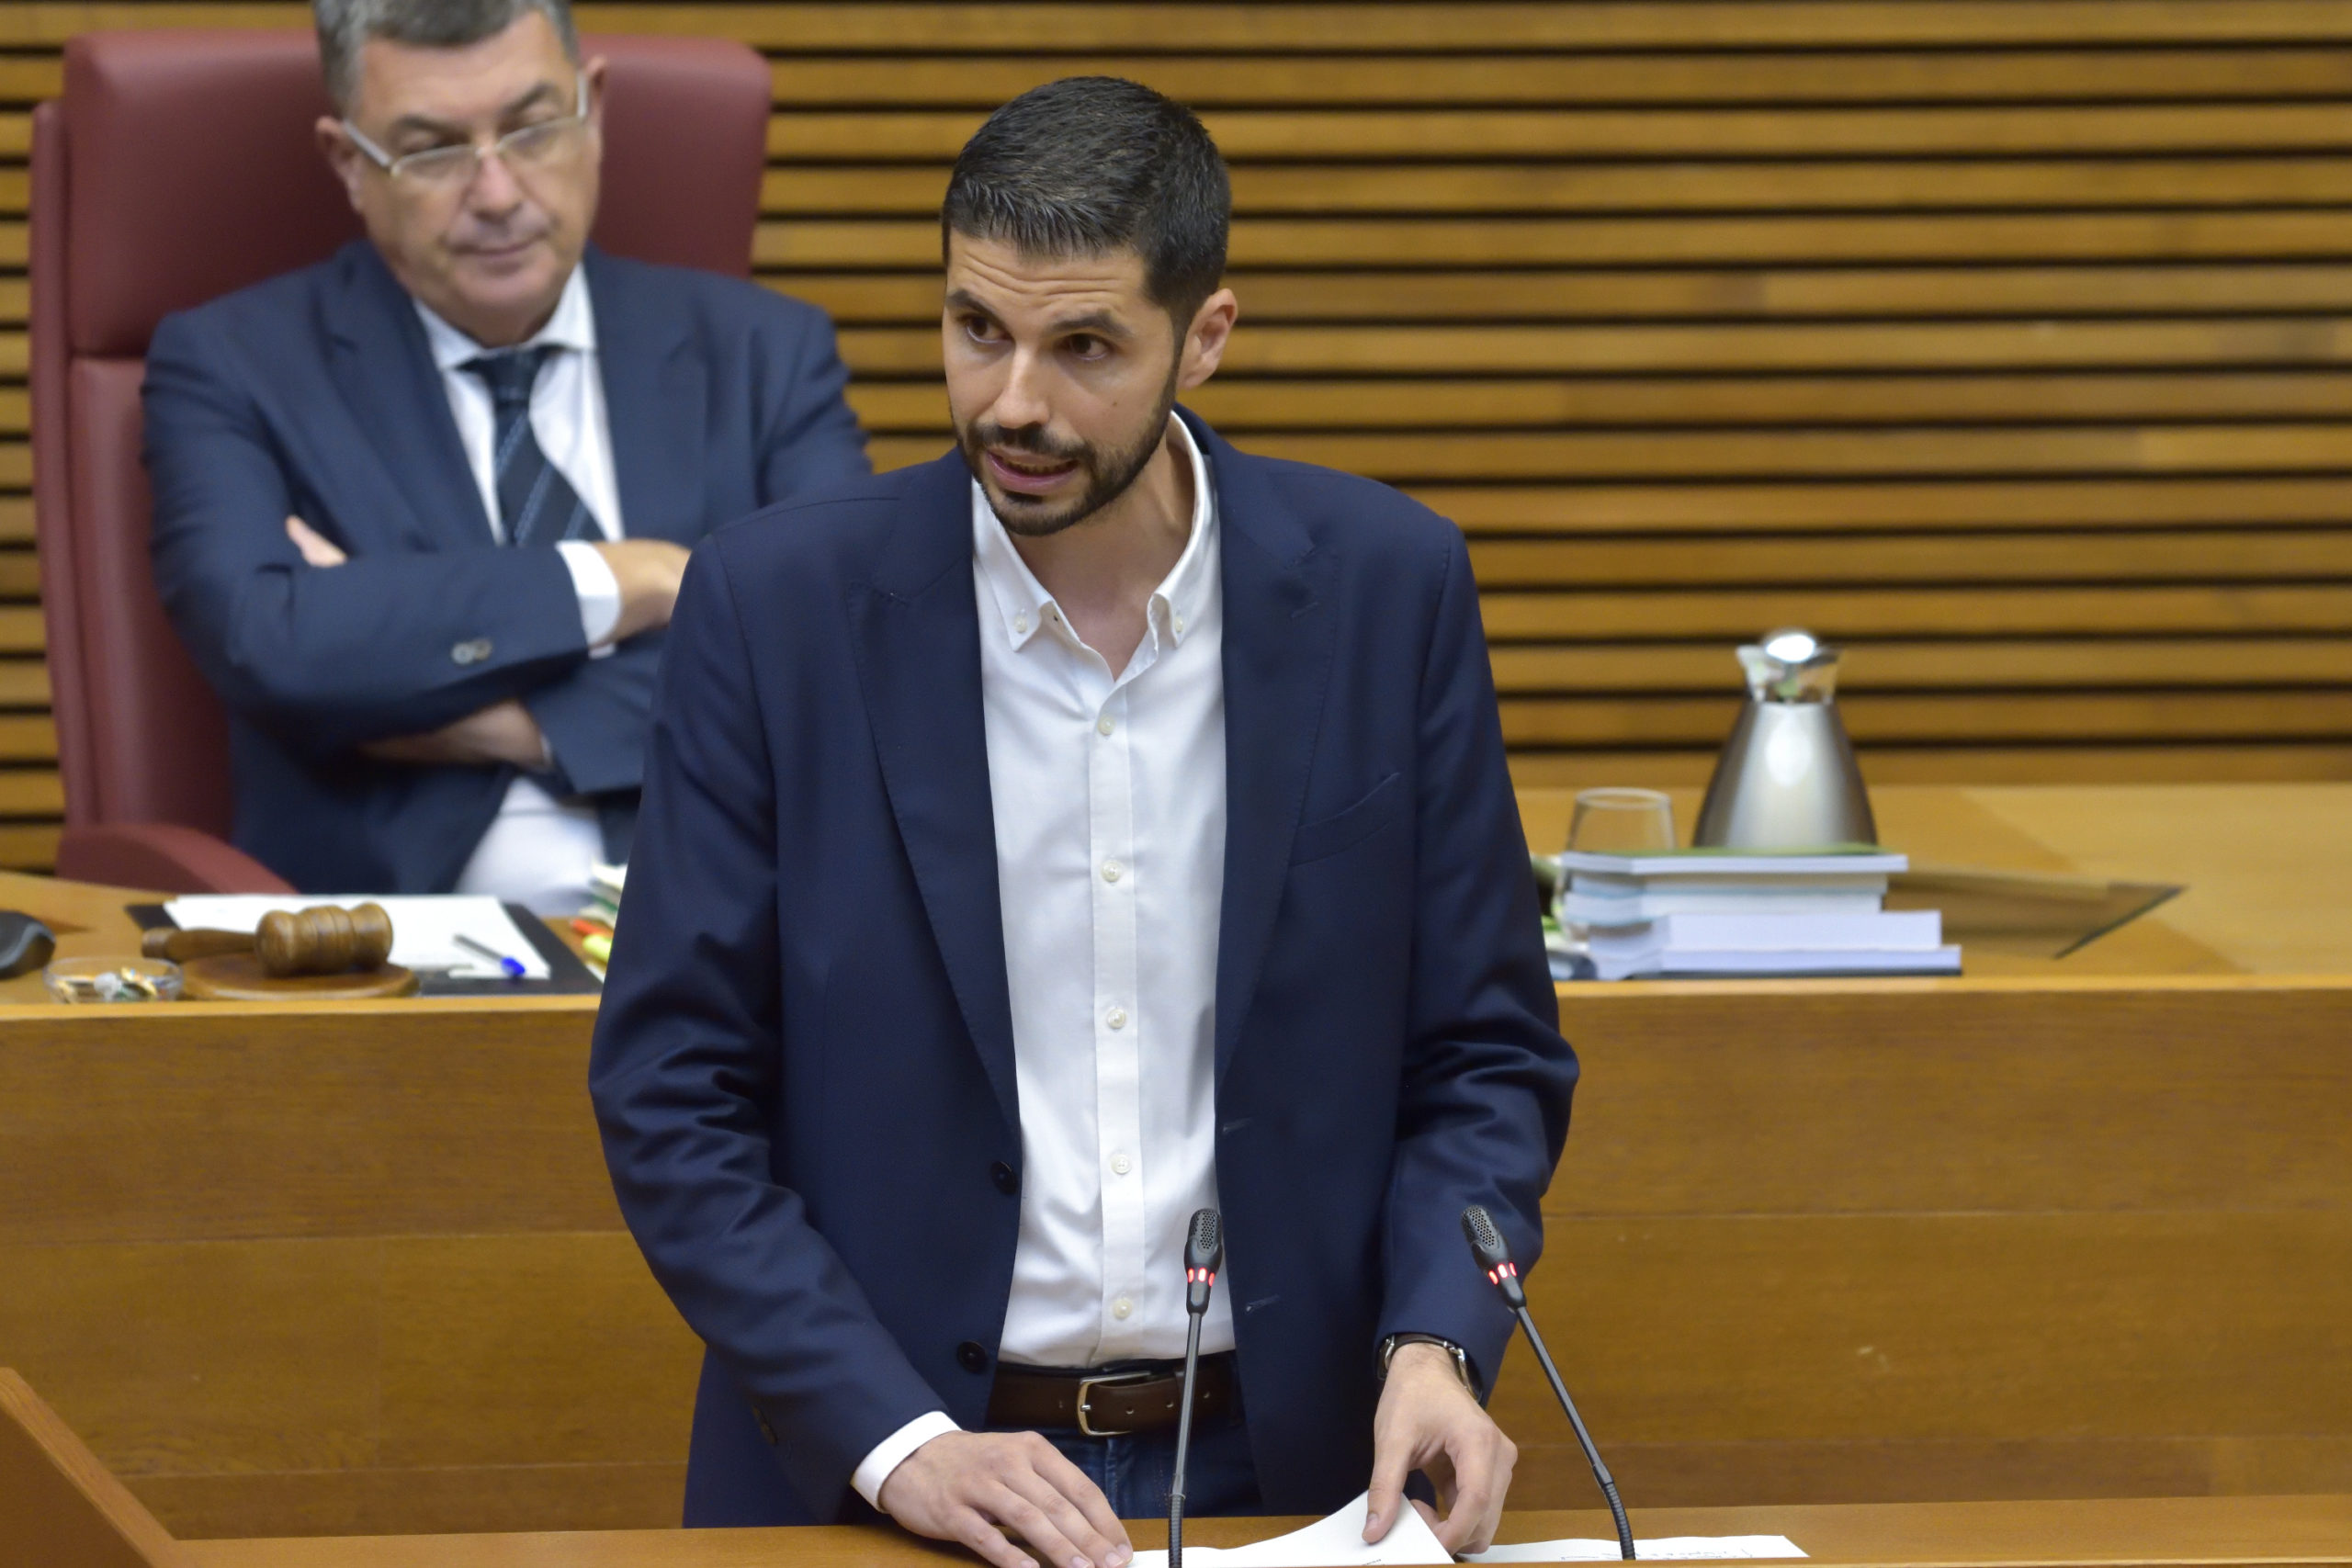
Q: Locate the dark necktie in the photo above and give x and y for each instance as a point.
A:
(536, 504)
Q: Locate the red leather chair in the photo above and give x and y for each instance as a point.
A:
(180, 165)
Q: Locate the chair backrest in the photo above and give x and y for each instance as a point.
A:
(60, 1508)
(177, 166)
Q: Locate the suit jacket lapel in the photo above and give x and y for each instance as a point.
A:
(917, 631)
(385, 370)
(1278, 639)
(654, 395)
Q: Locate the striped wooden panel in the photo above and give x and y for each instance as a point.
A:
(2002, 342)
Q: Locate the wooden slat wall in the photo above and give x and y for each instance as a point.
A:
(1998, 341)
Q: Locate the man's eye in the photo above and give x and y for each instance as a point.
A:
(979, 329)
(1086, 345)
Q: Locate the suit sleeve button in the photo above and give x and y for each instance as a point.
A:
(971, 1357)
(1006, 1181)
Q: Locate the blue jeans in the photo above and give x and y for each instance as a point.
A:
(1133, 1470)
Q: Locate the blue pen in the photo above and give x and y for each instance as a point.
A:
(514, 967)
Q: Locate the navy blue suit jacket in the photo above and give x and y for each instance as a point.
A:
(804, 1063)
(314, 395)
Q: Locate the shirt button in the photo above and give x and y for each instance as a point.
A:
(1020, 623)
(1177, 622)
(1121, 1307)
(1113, 871)
(1116, 1018)
(1119, 1166)
(1103, 725)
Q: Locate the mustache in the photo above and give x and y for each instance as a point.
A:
(498, 236)
(1032, 439)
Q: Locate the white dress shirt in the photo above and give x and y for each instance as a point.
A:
(539, 849)
(1109, 799)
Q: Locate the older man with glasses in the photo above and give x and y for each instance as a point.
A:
(421, 510)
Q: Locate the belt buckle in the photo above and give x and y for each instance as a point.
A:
(1086, 1387)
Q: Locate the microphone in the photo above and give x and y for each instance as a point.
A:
(1203, 1256)
(1493, 1253)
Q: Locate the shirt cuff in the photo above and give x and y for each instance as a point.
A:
(894, 1449)
(598, 591)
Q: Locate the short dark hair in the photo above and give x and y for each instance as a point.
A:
(344, 25)
(1094, 163)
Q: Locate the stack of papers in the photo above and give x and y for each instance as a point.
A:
(424, 929)
(1334, 1542)
(600, 914)
(1722, 912)
(1337, 1541)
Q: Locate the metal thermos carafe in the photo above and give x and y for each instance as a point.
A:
(1786, 779)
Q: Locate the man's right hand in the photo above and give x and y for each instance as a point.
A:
(990, 1489)
(648, 572)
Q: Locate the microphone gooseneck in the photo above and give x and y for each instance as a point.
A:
(1203, 1256)
(1493, 1253)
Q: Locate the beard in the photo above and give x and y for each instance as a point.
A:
(1108, 474)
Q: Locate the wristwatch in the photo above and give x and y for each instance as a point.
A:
(1461, 1356)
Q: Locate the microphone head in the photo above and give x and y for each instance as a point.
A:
(1203, 1256)
(1485, 1240)
(1205, 1245)
(1493, 1253)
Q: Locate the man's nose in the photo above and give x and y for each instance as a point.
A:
(494, 191)
(1023, 402)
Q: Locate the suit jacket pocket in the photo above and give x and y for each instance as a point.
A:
(1329, 836)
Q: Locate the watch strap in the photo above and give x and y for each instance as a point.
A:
(1461, 1357)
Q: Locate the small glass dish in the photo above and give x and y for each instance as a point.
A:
(113, 980)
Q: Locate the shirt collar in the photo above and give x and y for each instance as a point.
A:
(1177, 604)
(572, 326)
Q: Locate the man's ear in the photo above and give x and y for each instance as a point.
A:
(341, 156)
(1205, 339)
(591, 83)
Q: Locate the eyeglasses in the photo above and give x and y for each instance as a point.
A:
(452, 167)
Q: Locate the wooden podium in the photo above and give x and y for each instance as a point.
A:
(60, 1508)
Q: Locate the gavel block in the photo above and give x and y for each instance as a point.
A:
(323, 940)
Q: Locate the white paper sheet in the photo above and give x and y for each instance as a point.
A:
(424, 929)
(1335, 1541)
(1667, 1549)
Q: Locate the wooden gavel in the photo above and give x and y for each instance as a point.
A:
(323, 940)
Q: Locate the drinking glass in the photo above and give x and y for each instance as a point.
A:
(1612, 822)
(1622, 822)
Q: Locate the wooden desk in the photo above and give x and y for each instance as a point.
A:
(2182, 1532)
(2052, 1230)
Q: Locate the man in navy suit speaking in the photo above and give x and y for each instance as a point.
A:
(421, 510)
(1094, 825)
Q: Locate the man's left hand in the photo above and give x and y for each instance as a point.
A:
(1428, 1421)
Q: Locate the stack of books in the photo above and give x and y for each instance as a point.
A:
(1719, 912)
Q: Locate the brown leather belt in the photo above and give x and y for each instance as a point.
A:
(1108, 1404)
